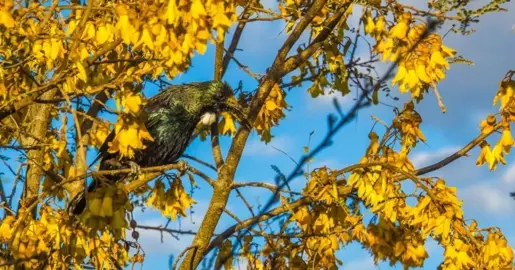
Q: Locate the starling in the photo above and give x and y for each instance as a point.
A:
(172, 116)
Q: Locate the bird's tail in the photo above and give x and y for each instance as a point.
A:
(77, 204)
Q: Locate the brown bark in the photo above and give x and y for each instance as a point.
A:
(38, 121)
(226, 172)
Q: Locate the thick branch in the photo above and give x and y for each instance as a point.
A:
(226, 172)
(39, 115)
(215, 139)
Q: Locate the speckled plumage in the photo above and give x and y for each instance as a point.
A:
(172, 117)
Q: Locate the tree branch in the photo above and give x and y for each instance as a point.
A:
(39, 117)
(270, 187)
(253, 220)
(222, 189)
(215, 139)
(236, 38)
(460, 153)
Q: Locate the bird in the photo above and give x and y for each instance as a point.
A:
(172, 116)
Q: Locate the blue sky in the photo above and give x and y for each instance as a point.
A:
(467, 93)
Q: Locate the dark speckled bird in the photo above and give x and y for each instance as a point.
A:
(173, 115)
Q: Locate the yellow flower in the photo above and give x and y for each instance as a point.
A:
(448, 52)
(129, 136)
(401, 74)
(416, 32)
(506, 141)
(412, 78)
(5, 228)
(421, 73)
(498, 155)
(370, 25)
(505, 93)
(437, 59)
(399, 31)
(485, 155)
(380, 25)
(488, 125)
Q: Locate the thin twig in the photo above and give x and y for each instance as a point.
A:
(272, 188)
(460, 153)
(235, 38)
(439, 98)
(202, 175)
(175, 264)
(200, 162)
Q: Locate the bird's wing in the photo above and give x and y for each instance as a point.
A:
(103, 154)
(102, 151)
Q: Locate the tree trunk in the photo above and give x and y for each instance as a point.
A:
(38, 120)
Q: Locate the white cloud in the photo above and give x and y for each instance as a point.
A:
(256, 147)
(426, 157)
(509, 176)
(365, 263)
(488, 198)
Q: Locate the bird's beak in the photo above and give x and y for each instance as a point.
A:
(238, 111)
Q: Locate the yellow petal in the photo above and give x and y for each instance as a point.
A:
(412, 79)
(399, 31)
(448, 51)
(380, 25)
(6, 19)
(401, 73)
(437, 58)
(270, 105)
(133, 103)
(422, 75)
(369, 26)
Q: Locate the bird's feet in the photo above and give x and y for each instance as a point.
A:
(183, 167)
(135, 169)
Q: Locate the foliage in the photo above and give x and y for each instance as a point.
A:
(60, 64)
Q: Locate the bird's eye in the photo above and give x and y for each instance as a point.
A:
(219, 95)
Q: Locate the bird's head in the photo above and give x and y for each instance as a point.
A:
(214, 99)
(217, 99)
(216, 96)
(202, 99)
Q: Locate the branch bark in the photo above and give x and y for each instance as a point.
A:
(235, 39)
(253, 220)
(39, 117)
(303, 201)
(460, 153)
(75, 187)
(215, 139)
(222, 187)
